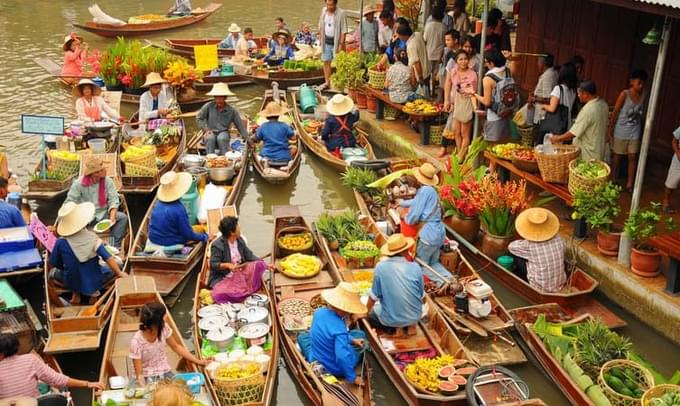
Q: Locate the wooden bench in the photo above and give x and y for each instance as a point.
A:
(669, 244)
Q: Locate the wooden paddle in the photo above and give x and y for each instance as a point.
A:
(250, 262)
(92, 310)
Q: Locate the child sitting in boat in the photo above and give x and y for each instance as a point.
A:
(147, 348)
(275, 135)
(337, 130)
(74, 56)
(281, 51)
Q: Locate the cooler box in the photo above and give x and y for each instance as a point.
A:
(15, 260)
(15, 239)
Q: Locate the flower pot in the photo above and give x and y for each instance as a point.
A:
(371, 104)
(353, 94)
(467, 227)
(494, 246)
(645, 263)
(608, 243)
(362, 103)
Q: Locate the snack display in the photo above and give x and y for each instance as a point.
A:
(505, 151)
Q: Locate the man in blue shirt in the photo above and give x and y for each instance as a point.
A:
(398, 289)
(274, 134)
(10, 216)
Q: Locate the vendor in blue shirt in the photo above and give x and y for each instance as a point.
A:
(233, 35)
(425, 209)
(338, 129)
(396, 43)
(10, 216)
(396, 296)
(274, 134)
(281, 51)
(169, 228)
(75, 256)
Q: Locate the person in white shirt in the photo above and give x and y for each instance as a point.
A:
(545, 85)
(155, 102)
(90, 106)
(245, 45)
(332, 30)
(386, 32)
(417, 54)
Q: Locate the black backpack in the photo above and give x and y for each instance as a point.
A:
(505, 99)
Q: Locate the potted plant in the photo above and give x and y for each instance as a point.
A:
(642, 225)
(182, 77)
(349, 72)
(599, 207)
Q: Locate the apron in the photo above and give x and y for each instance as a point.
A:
(92, 111)
(343, 132)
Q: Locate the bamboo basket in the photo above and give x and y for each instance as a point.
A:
(656, 391)
(240, 391)
(524, 165)
(436, 134)
(554, 168)
(644, 377)
(376, 79)
(63, 167)
(148, 159)
(308, 249)
(140, 170)
(390, 112)
(526, 135)
(578, 182)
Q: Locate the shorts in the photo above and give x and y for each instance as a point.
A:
(328, 52)
(496, 131)
(626, 147)
(673, 178)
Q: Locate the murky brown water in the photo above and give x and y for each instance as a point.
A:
(36, 29)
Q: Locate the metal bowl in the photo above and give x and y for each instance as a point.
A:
(223, 174)
(192, 161)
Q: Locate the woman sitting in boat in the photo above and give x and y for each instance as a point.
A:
(75, 256)
(280, 52)
(147, 348)
(155, 102)
(338, 128)
(20, 373)
(90, 106)
(228, 251)
(97, 188)
(232, 37)
(74, 56)
(169, 228)
(329, 342)
(275, 135)
(181, 8)
(539, 256)
(10, 216)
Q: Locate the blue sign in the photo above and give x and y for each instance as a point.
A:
(42, 125)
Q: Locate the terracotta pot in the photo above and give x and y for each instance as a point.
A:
(494, 246)
(362, 101)
(608, 243)
(644, 263)
(353, 94)
(371, 104)
(467, 227)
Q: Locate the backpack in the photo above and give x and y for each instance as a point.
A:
(505, 99)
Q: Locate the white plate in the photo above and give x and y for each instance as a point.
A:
(105, 221)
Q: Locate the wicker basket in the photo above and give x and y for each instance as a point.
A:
(240, 391)
(376, 79)
(309, 249)
(526, 135)
(139, 170)
(657, 391)
(390, 112)
(148, 159)
(644, 377)
(63, 167)
(554, 168)
(524, 165)
(578, 182)
(436, 134)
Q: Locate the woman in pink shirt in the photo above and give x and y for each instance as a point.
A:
(459, 103)
(19, 374)
(74, 57)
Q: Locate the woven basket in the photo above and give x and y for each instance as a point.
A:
(376, 79)
(657, 391)
(526, 135)
(64, 167)
(139, 170)
(148, 159)
(436, 134)
(309, 249)
(390, 112)
(524, 165)
(554, 168)
(240, 391)
(578, 182)
(644, 378)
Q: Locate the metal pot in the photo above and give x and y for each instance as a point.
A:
(222, 174)
(251, 315)
(257, 300)
(200, 174)
(255, 333)
(190, 161)
(221, 337)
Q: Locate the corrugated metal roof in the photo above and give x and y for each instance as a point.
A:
(666, 3)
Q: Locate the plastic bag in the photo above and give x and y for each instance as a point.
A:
(520, 118)
(213, 198)
(240, 284)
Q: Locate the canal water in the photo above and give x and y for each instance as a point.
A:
(36, 29)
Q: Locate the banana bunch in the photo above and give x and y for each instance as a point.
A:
(134, 151)
(425, 371)
(205, 297)
(64, 155)
(300, 265)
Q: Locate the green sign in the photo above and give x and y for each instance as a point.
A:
(42, 125)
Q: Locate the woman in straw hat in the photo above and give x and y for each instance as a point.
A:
(90, 106)
(539, 256)
(74, 56)
(155, 102)
(338, 129)
(75, 256)
(397, 293)
(424, 212)
(97, 188)
(233, 35)
(215, 118)
(281, 51)
(329, 342)
(274, 134)
(169, 228)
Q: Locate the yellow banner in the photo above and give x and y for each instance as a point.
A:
(206, 57)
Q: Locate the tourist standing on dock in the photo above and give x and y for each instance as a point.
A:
(673, 177)
(386, 30)
(10, 216)
(434, 40)
(451, 45)
(541, 95)
(332, 30)
(418, 59)
(216, 117)
(369, 31)
(496, 127)
(461, 22)
(459, 102)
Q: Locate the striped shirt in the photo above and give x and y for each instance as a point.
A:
(545, 262)
(19, 376)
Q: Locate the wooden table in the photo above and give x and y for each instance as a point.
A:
(669, 244)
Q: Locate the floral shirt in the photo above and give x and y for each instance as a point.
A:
(153, 356)
(305, 38)
(398, 78)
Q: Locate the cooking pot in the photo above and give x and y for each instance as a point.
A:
(213, 323)
(255, 334)
(222, 174)
(99, 129)
(200, 174)
(221, 337)
(251, 315)
(192, 161)
(257, 300)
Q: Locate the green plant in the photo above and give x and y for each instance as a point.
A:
(596, 344)
(128, 62)
(478, 8)
(643, 224)
(349, 71)
(343, 227)
(599, 207)
(358, 178)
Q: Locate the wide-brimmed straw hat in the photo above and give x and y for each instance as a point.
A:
(220, 89)
(74, 217)
(92, 165)
(344, 297)
(153, 78)
(339, 105)
(279, 33)
(537, 224)
(78, 89)
(395, 244)
(234, 28)
(274, 109)
(426, 174)
(174, 185)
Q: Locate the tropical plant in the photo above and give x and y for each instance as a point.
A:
(596, 344)
(343, 227)
(358, 178)
(643, 224)
(599, 207)
(180, 74)
(128, 63)
(501, 202)
(349, 71)
(460, 192)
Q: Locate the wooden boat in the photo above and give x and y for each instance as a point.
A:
(79, 328)
(319, 149)
(132, 30)
(277, 176)
(131, 294)
(286, 79)
(232, 80)
(185, 47)
(283, 287)
(54, 69)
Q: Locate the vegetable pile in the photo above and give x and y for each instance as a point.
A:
(591, 169)
(505, 151)
(670, 398)
(360, 249)
(623, 381)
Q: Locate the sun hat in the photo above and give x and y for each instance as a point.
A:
(345, 297)
(339, 105)
(368, 10)
(395, 244)
(426, 174)
(93, 164)
(220, 89)
(284, 32)
(153, 78)
(74, 217)
(537, 224)
(67, 41)
(234, 28)
(273, 109)
(78, 89)
(174, 185)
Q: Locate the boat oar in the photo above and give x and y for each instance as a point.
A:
(250, 262)
(92, 310)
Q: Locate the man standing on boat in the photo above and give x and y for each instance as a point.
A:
(332, 29)
(216, 117)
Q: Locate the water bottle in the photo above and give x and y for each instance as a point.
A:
(547, 144)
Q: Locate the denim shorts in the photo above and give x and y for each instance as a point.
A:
(328, 52)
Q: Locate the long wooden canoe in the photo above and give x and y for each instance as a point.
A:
(132, 30)
(185, 46)
(278, 176)
(75, 328)
(286, 79)
(131, 294)
(283, 288)
(319, 149)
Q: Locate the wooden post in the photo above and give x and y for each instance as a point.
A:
(480, 74)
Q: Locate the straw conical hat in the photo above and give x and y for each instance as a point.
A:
(273, 109)
(426, 174)
(220, 89)
(74, 217)
(345, 297)
(395, 244)
(537, 224)
(153, 78)
(174, 185)
(78, 89)
(92, 165)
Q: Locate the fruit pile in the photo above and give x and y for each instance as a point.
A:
(295, 242)
(300, 265)
(136, 151)
(235, 371)
(205, 297)
(525, 154)
(624, 381)
(441, 374)
(65, 155)
(592, 169)
(505, 151)
(421, 106)
(360, 249)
